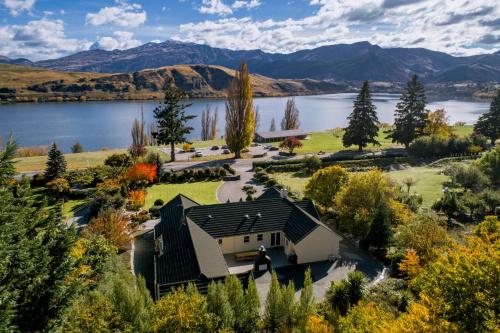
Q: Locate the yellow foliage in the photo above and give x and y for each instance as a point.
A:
(437, 124)
(400, 212)
(410, 264)
(186, 146)
(324, 185)
(365, 317)
(317, 324)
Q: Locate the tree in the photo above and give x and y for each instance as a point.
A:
(257, 118)
(324, 185)
(172, 119)
(357, 201)
(139, 139)
(473, 202)
(240, 119)
(410, 115)
(380, 232)
(215, 119)
(273, 303)
(7, 164)
(77, 148)
(312, 163)
(56, 163)
(113, 225)
(236, 297)
(219, 305)
(118, 161)
(251, 315)
(306, 306)
(291, 143)
(488, 123)
(272, 128)
(141, 172)
(448, 204)
(346, 293)
(437, 124)
(206, 123)
(290, 119)
(363, 121)
(489, 163)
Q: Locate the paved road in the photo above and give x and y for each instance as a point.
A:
(232, 190)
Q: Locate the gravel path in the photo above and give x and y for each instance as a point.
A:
(232, 190)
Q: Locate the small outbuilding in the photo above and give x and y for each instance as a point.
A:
(276, 136)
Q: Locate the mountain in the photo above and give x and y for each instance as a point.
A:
(343, 62)
(19, 61)
(19, 83)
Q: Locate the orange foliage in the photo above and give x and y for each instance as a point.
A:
(141, 172)
(113, 225)
(137, 198)
(410, 264)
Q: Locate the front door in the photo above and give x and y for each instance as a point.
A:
(275, 239)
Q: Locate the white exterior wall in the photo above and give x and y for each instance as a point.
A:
(290, 247)
(235, 244)
(318, 246)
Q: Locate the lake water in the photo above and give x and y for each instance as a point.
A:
(107, 124)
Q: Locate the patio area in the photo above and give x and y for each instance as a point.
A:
(277, 255)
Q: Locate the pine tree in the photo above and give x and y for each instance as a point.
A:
(410, 115)
(56, 163)
(172, 119)
(488, 123)
(363, 121)
(380, 233)
(287, 308)
(7, 164)
(273, 303)
(240, 118)
(252, 309)
(236, 297)
(218, 304)
(306, 302)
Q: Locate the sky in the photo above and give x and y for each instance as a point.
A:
(46, 29)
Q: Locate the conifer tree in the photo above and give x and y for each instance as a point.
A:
(379, 234)
(240, 118)
(172, 119)
(488, 123)
(410, 115)
(56, 163)
(7, 154)
(218, 304)
(306, 302)
(236, 297)
(363, 121)
(252, 309)
(287, 308)
(273, 304)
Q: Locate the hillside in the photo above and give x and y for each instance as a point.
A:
(343, 62)
(26, 84)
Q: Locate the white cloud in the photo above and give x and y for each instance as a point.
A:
(121, 40)
(16, 7)
(460, 27)
(245, 4)
(38, 39)
(123, 15)
(220, 8)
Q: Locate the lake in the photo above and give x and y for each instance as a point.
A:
(107, 124)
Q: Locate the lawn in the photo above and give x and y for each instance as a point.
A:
(293, 181)
(71, 206)
(202, 192)
(428, 182)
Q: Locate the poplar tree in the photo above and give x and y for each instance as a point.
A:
(306, 302)
(488, 123)
(363, 121)
(172, 118)
(236, 297)
(252, 309)
(410, 115)
(218, 304)
(272, 128)
(240, 118)
(56, 163)
(273, 303)
(290, 119)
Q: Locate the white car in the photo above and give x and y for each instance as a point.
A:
(198, 154)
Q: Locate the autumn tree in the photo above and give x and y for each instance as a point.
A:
(410, 115)
(291, 143)
(363, 121)
(172, 119)
(213, 123)
(240, 118)
(290, 119)
(488, 123)
(56, 163)
(206, 123)
(324, 185)
(141, 172)
(437, 123)
(113, 225)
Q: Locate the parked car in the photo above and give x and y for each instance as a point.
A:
(268, 147)
(215, 148)
(226, 151)
(192, 149)
(224, 147)
(198, 154)
(273, 148)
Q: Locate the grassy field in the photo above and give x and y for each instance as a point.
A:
(293, 181)
(71, 206)
(202, 192)
(428, 182)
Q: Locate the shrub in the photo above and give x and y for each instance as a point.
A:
(32, 151)
(271, 182)
(312, 163)
(159, 202)
(118, 161)
(103, 201)
(58, 186)
(438, 146)
(137, 151)
(113, 225)
(77, 148)
(229, 168)
(136, 199)
(141, 172)
(154, 211)
(291, 143)
(140, 217)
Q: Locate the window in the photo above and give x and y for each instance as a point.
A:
(260, 237)
(220, 241)
(246, 239)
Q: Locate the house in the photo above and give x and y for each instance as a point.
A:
(193, 242)
(276, 136)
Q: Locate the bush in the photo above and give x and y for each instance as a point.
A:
(141, 172)
(155, 211)
(312, 163)
(118, 161)
(159, 202)
(140, 217)
(58, 186)
(136, 199)
(438, 146)
(228, 167)
(77, 148)
(271, 183)
(32, 151)
(104, 201)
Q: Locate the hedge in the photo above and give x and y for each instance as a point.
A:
(194, 174)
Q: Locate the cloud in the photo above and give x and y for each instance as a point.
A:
(38, 39)
(16, 7)
(218, 7)
(123, 15)
(388, 23)
(490, 39)
(121, 40)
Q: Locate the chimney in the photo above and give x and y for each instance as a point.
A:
(284, 192)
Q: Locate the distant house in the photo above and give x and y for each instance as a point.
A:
(199, 243)
(275, 136)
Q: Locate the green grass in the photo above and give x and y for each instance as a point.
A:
(202, 192)
(293, 181)
(463, 131)
(429, 182)
(71, 206)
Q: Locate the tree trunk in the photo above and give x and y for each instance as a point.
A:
(172, 152)
(407, 145)
(360, 148)
(237, 154)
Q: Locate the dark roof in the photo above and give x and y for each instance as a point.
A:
(189, 231)
(281, 134)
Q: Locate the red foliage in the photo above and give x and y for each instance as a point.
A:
(141, 172)
(291, 143)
